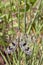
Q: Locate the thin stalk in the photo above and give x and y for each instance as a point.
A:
(19, 30)
(25, 23)
(25, 17)
(14, 58)
(19, 16)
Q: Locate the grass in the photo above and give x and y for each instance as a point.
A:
(12, 14)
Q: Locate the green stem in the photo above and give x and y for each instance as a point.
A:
(19, 30)
(25, 16)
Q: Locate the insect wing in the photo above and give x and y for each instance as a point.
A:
(24, 45)
(12, 47)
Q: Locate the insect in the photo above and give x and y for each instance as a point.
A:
(23, 44)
